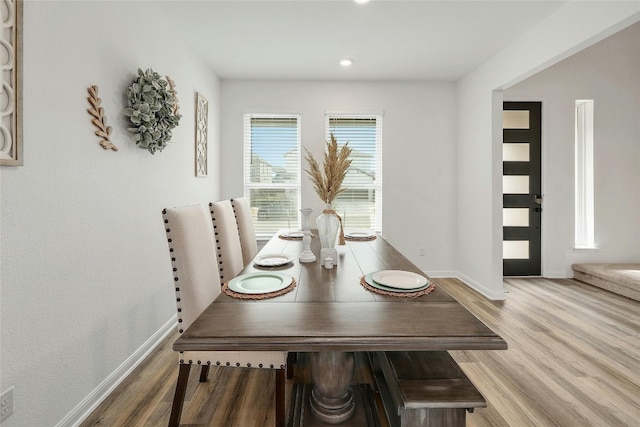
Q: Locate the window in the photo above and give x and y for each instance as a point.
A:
(272, 171)
(361, 204)
(584, 204)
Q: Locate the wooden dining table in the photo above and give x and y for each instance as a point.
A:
(331, 315)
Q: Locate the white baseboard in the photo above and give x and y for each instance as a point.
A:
(100, 393)
(556, 275)
(491, 294)
(441, 274)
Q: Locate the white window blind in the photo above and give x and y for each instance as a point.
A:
(272, 171)
(361, 204)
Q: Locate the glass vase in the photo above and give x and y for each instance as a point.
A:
(328, 226)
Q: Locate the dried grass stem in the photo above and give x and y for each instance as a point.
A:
(328, 182)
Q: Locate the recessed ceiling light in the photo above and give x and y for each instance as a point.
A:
(361, 1)
(346, 62)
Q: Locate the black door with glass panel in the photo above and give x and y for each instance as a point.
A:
(522, 188)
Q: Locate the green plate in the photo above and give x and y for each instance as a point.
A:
(369, 279)
(259, 283)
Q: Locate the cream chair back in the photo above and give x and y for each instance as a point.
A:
(247, 231)
(192, 247)
(192, 251)
(225, 230)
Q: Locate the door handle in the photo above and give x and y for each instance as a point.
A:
(537, 199)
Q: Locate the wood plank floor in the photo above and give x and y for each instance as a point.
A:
(573, 360)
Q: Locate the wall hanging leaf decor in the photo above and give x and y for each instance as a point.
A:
(99, 119)
(152, 109)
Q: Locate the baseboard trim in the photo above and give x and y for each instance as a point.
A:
(491, 294)
(102, 391)
(556, 275)
(441, 274)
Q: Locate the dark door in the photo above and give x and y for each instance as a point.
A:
(521, 186)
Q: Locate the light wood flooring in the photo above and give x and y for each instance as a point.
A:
(573, 360)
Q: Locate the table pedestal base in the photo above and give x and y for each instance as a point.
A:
(332, 397)
(364, 414)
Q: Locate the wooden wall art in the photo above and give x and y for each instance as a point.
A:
(11, 85)
(99, 119)
(202, 124)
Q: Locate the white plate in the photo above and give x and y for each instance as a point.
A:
(368, 278)
(365, 234)
(273, 260)
(399, 279)
(259, 283)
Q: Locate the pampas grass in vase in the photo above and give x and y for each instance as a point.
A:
(327, 182)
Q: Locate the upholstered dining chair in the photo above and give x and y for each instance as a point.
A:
(197, 283)
(247, 231)
(225, 229)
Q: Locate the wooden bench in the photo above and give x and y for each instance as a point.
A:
(424, 388)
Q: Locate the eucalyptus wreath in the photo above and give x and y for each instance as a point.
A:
(152, 109)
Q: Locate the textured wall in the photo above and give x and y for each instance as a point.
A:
(86, 278)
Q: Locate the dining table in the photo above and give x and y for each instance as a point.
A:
(332, 314)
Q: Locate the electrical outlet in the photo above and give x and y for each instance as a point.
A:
(6, 404)
(421, 251)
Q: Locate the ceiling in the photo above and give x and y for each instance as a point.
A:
(396, 40)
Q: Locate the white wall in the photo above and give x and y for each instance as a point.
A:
(573, 27)
(86, 277)
(418, 151)
(609, 73)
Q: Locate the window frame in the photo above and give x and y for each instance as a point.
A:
(584, 175)
(376, 185)
(249, 185)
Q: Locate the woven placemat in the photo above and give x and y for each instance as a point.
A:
(360, 239)
(413, 294)
(226, 290)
